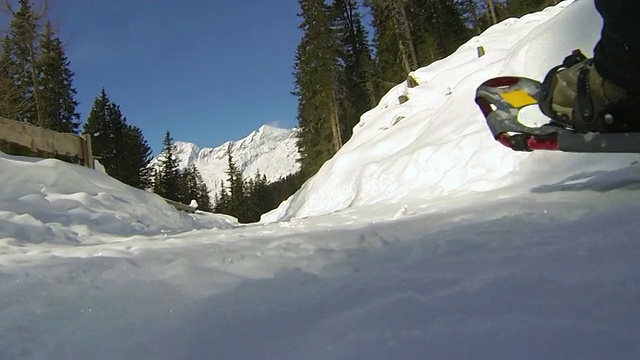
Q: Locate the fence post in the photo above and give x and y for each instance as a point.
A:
(88, 151)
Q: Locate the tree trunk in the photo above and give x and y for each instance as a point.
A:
(371, 91)
(492, 11)
(40, 121)
(405, 41)
(335, 124)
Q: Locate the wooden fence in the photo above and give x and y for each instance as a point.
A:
(180, 206)
(45, 141)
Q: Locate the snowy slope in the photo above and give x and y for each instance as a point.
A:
(422, 239)
(437, 145)
(269, 150)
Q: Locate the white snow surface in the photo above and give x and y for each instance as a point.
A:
(422, 239)
(271, 151)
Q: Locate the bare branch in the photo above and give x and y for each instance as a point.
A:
(7, 8)
(43, 13)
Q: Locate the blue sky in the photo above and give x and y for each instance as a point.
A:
(208, 71)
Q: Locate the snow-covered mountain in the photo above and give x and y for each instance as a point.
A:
(271, 151)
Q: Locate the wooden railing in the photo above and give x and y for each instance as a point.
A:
(180, 206)
(45, 141)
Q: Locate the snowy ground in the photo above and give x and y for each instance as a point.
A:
(551, 275)
(422, 239)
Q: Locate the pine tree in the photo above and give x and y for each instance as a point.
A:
(120, 147)
(21, 97)
(259, 199)
(489, 12)
(394, 39)
(202, 193)
(117, 163)
(98, 126)
(358, 92)
(283, 188)
(216, 202)
(316, 85)
(35, 79)
(233, 198)
(236, 187)
(518, 8)
(137, 156)
(248, 199)
(264, 199)
(57, 94)
(392, 65)
(192, 187)
(12, 102)
(413, 33)
(440, 27)
(251, 206)
(492, 11)
(222, 205)
(168, 175)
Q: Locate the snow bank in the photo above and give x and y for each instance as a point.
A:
(437, 145)
(49, 200)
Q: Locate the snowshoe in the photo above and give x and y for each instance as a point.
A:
(501, 99)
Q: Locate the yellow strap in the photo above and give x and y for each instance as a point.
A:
(518, 98)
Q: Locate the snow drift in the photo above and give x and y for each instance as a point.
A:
(52, 201)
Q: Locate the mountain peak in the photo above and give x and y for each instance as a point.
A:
(270, 150)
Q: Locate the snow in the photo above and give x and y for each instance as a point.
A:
(422, 238)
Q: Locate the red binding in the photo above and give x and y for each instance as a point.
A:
(541, 142)
(547, 142)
